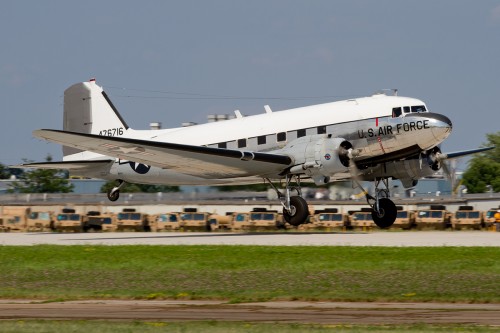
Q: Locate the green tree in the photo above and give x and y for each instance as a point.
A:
(4, 172)
(42, 181)
(134, 188)
(484, 168)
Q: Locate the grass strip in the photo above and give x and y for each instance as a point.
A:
(21, 326)
(252, 273)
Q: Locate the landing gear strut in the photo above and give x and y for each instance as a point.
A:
(384, 211)
(295, 208)
(114, 193)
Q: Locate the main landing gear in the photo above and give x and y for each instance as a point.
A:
(384, 211)
(295, 208)
(114, 193)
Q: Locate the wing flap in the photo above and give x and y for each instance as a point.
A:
(68, 165)
(209, 163)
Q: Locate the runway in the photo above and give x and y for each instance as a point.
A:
(283, 312)
(378, 238)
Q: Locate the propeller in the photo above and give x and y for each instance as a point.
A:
(439, 160)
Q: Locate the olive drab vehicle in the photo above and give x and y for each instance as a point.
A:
(129, 219)
(466, 217)
(97, 221)
(404, 219)
(436, 217)
(328, 218)
(165, 222)
(40, 221)
(13, 218)
(69, 220)
(361, 219)
(258, 219)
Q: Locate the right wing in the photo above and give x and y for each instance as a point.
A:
(204, 162)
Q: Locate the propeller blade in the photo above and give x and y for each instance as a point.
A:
(443, 156)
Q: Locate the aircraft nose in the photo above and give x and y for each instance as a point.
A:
(439, 124)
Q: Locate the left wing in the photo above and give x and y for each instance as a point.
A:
(204, 162)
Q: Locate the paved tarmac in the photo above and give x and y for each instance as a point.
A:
(284, 312)
(379, 238)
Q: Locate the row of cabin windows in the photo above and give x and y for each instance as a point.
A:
(397, 112)
(280, 137)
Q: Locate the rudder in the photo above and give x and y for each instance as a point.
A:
(87, 109)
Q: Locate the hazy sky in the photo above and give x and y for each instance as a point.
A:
(160, 60)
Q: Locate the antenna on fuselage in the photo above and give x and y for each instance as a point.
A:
(384, 92)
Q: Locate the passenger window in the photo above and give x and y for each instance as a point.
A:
(261, 140)
(301, 133)
(418, 108)
(396, 112)
(222, 145)
(242, 143)
(321, 129)
(406, 109)
(281, 136)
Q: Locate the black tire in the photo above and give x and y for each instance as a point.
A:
(113, 196)
(387, 213)
(300, 211)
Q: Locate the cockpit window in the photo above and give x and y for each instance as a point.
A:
(406, 109)
(396, 112)
(418, 108)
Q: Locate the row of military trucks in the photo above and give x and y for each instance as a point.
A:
(190, 219)
(436, 217)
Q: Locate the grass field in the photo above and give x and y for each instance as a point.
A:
(251, 273)
(218, 327)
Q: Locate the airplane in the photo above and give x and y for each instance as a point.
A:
(373, 138)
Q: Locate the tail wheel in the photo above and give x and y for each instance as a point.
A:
(113, 195)
(386, 215)
(299, 211)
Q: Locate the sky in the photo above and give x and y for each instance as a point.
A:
(179, 61)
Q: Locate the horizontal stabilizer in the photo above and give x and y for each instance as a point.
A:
(67, 165)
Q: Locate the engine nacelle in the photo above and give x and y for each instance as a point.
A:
(319, 156)
(411, 170)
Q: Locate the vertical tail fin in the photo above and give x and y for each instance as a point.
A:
(87, 109)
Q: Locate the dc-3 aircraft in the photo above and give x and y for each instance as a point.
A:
(364, 139)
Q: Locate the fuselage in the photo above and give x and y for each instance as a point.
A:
(379, 127)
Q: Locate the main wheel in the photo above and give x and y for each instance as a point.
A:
(299, 211)
(113, 195)
(386, 215)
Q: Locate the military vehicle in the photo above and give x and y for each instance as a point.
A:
(221, 222)
(129, 219)
(489, 217)
(436, 217)
(328, 218)
(40, 221)
(193, 220)
(466, 217)
(361, 219)
(13, 218)
(404, 219)
(165, 222)
(69, 220)
(97, 221)
(258, 219)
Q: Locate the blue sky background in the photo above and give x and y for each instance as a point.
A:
(277, 52)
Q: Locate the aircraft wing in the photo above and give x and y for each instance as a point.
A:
(204, 162)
